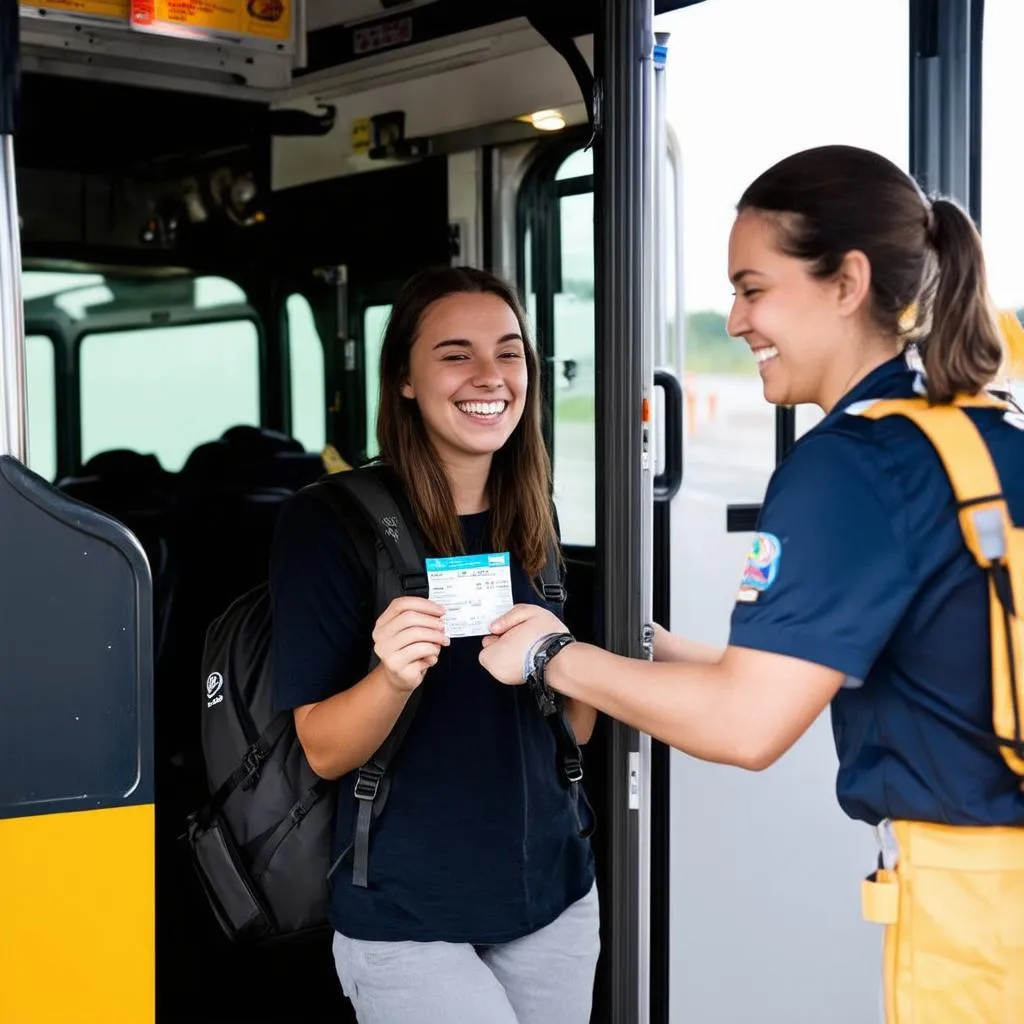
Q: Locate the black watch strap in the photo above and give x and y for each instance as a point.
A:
(548, 701)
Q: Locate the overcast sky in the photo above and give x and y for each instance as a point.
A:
(750, 81)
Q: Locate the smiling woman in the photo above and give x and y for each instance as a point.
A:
(459, 335)
(471, 916)
(482, 377)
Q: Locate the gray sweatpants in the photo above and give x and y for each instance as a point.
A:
(543, 978)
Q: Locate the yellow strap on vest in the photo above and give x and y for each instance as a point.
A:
(964, 456)
(990, 536)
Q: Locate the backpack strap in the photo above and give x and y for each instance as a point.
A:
(990, 536)
(552, 585)
(403, 546)
(248, 771)
(402, 571)
(570, 757)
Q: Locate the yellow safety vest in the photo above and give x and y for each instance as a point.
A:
(952, 898)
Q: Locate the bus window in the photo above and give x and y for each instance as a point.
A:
(1002, 216)
(375, 320)
(572, 368)
(211, 292)
(578, 165)
(167, 389)
(41, 384)
(306, 357)
(785, 114)
(785, 47)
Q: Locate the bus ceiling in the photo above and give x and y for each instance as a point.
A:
(168, 122)
(266, 49)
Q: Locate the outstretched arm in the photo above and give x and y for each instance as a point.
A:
(746, 710)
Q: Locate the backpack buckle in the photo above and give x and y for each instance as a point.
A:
(554, 593)
(252, 761)
(415, 583)
(368, 780)
(990, 530)
(573, 769)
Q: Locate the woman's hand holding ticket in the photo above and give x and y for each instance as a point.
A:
(407, 639)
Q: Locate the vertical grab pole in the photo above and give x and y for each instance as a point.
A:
(13, 417)
(675, 159)
(660, 223)
(624, 193)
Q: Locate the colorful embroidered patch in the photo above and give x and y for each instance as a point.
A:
(762, 566)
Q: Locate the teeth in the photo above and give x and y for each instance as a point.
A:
(762, 355)
(483, 408)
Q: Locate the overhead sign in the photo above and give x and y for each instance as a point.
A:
(262, 23)
(267, 21)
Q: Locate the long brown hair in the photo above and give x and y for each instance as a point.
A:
(519, 485)
(923, 254)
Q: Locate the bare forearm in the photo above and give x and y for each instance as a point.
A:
(692, 707)
(340, 733)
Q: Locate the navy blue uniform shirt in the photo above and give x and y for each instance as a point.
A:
(860, 565)
(479, 841)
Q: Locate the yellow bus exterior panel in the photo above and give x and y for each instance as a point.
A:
(77, 917)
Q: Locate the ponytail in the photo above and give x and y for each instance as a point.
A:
(963, 350)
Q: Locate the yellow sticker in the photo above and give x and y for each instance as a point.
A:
(360, 135)
(332, 460)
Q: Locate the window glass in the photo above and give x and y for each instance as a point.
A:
(572, 373)
(375, 321)
(1002, 215)
(167, 389)
(211, 292)
(41, 396)
(578, 165)
(306, 357)
(784, 47)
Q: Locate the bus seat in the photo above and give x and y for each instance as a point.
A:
(267, 457)
(222, 522)
(135, 489)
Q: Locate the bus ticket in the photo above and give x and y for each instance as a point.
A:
(474, 590)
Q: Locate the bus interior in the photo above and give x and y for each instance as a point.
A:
(211, 235)
(213, 225)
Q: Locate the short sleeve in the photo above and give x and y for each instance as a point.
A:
(320, 597)
(827, 578)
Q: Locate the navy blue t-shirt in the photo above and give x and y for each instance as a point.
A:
(479, 839)
(860, 565)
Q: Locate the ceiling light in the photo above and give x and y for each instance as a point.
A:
(547, 120)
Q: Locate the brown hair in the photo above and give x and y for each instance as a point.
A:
(834, 200)
(519, 485)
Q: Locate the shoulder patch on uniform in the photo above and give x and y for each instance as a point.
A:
(762, 566)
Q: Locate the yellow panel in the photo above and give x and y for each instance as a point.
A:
(117, 9)
(1013, 340)
(77, 917)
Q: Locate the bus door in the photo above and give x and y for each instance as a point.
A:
(600, 294)
(76, 747)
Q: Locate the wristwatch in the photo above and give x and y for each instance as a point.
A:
(548, 701)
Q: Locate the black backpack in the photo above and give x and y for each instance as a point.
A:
(261, 846)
